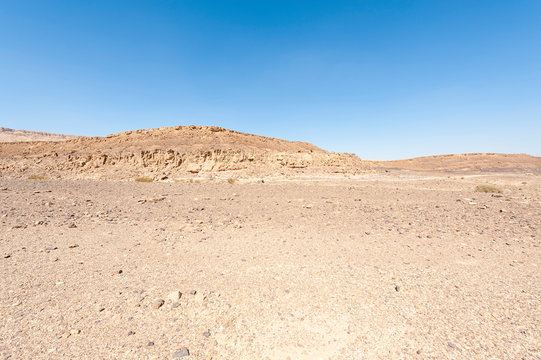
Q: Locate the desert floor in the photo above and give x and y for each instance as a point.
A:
(378, 266)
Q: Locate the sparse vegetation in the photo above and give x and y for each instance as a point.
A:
(37, 177)
(488, 189)
(144, 179)
(231, 181)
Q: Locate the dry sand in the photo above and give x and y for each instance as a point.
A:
(397, 265)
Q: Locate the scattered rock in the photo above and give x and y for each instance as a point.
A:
(72, 226)
(158, 303)
(6, 256)
(193, 292)
(397, 288)
(183, 352)
(150, 343)
(174, 296)
(451, 345)
(72, 246)
(50, 248)
(75, 332)
(206, 334)
(131, 333)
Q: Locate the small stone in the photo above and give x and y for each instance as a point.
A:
(158, 303)
(397, 288)
(181, 353)
(101, 309)
(120, 271)
(72, 226)
(418, 352)
(131, 333)
(174, 296)
(206, 334)
(451, 345)
(150, 343)
(75, 332)
(50, 248)
(367, 232)
(72, 246)
(193, 292)
(175, 305)
(6, 256)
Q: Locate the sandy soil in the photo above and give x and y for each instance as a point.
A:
(379, 266)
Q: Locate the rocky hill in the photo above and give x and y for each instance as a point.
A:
(12, 135)
(171, 153)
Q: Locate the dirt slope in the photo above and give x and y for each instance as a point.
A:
(11, 135)
(170, 152)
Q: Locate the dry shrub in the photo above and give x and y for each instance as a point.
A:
(37, 177)
(488, 189)
(144, 179)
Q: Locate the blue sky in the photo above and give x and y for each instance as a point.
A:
(382, 79)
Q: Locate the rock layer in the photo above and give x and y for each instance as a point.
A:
(167, 153)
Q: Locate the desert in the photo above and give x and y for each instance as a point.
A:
(205, 243)
(270, 180)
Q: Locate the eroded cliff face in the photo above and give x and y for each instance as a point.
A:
(201, 151)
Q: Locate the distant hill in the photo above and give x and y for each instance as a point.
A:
(11, 135)
(476, 162)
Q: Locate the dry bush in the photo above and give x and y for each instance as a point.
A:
(488, 189)
(37, 177)
(144, 179)
(231, 181)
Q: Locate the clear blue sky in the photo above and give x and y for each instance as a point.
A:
(382, 79)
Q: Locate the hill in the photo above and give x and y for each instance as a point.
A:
(476, 162)
(169, 153)
(12, 135)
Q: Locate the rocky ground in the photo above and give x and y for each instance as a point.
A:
(378, 266)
